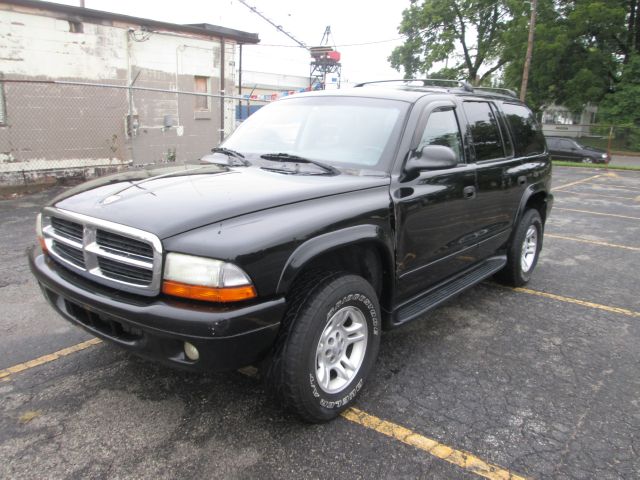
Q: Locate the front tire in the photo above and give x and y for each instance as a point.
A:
(524, 250)
(328, 345)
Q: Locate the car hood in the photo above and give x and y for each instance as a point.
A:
(168, 201)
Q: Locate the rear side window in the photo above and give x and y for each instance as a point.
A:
(485, 133)
(527, 134)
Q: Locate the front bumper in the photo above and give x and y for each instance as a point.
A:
(227, 337)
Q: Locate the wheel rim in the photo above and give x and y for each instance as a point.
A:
(587, 160)
(341, 349)
(529, 248)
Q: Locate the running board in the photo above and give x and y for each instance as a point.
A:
(444, 292)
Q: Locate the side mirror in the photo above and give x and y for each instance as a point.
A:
(432, 157)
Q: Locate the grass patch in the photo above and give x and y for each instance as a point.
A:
(561, 163)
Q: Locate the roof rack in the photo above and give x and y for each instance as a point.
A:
(504, 91)
(438, 82)
(425, 82)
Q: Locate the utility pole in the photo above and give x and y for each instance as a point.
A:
(527, 60)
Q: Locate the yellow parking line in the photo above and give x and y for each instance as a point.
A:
(596, 213)
(575, 301)
(593, 242)
(578, 182)
(618, 187)
(21, 367)
(462, 459)
(591, 194)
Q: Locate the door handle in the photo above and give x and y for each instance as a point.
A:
(469, 192)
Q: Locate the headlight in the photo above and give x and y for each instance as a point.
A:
(39, 234)
(207, 279)
(604, 155)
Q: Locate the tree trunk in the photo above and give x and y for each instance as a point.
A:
(631, 27)
(527, 60)
(636, 42)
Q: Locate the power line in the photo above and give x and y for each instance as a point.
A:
(278, 27)
(373, 42)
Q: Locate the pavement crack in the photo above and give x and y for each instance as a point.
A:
(576, 430)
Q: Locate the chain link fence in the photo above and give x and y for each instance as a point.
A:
(57, 131)
(616, 139)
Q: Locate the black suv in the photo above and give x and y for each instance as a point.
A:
(561, 148)
(325, 219)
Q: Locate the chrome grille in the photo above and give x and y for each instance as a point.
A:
(108, 253)
(123, 272)
(123, 245)
(68, 229)
(70, 254)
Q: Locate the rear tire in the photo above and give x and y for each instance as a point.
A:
(524, 250)
(327, 346)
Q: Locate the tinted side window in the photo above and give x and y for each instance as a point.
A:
(442, 129)
(485, 133)
(508, 147)
(526, 131)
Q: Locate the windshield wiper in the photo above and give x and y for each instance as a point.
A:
(231, 154)
(287, 157)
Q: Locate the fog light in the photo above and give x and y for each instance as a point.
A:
(191, 352)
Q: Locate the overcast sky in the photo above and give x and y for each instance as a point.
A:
(351, 21)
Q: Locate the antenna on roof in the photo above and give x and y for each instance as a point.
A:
(466, 86)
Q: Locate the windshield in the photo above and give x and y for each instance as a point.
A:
(348, 132)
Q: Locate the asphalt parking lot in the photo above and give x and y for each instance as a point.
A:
(540, 382)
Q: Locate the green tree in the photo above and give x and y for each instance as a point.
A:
(622, 107)
(577, 55)
(580, 48)
(467, 35)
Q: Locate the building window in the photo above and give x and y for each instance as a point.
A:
(76, 27)
(202, 86)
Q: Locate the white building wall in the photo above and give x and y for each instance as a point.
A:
(39, 46)
(35, 45)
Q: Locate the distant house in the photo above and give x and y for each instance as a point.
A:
(558, 120)
(45, 126)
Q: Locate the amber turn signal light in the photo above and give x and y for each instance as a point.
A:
(43, 245)
(208, 294)
(39, 234)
